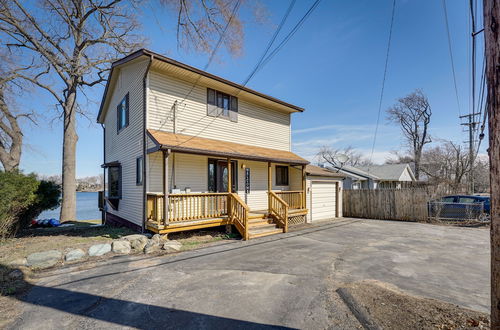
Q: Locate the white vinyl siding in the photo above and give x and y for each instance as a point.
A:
(405, 176)
(256, 125)
(126, 145)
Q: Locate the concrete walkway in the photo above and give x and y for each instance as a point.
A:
(279, 281)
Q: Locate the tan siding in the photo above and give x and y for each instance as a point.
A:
(126, 146)
(256, 125)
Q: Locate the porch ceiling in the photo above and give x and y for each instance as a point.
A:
(211, 147)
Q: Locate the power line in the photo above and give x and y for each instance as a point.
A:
(383, 79)
(219, 42)
(290, 35)
(315, 4)
(451, 55)
(278, 29)
(473, 60)
(210, 59)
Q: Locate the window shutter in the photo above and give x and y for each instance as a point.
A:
(126, 111)
(211, 103)
(233, 111)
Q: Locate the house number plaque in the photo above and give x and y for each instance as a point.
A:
(247, 180)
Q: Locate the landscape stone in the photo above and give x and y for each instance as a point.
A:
(138, 244)
(172, 246)
(157, 239)
(151, 246)
(44, 259)
(137, 241)
(99, 249)
(75, 254)
(134, 237)
(19, 262)
(121, 247)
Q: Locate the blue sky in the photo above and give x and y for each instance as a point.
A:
(333, 67)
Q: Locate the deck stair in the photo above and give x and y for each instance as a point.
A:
(261, 225)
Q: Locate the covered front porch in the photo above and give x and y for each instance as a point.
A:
(259, 191)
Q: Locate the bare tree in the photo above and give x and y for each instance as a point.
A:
(413, 114)
(11, 135)
(330, 155)
(78, 40)
(447, 163)
(482, 174)
(399, 158)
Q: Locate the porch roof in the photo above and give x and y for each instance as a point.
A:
(210, 147)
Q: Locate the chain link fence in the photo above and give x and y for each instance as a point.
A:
(457, 212)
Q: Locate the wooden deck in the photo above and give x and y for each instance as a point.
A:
(196, 211)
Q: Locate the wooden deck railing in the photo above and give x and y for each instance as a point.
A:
(278, 208)
(238, 214)
(155, 208)
(187, 207)
(294, 199)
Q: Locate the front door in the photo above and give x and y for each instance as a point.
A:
(222, 178)
(221, 175)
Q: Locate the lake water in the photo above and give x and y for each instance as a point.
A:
(86, 208)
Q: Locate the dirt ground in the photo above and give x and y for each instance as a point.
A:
(390, 308)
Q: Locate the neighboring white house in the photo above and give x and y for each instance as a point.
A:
(185, 149)
(388, 176)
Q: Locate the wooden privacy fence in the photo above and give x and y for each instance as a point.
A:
(389, 204)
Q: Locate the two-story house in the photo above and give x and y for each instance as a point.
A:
(185, 149)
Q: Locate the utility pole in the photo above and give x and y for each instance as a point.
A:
(471, 124)
(492, 51)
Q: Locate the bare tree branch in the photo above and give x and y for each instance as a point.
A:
(413, 114)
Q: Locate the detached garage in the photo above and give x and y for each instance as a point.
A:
(324, 193)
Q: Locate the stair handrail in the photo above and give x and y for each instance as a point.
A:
(278, 209)
(238, 214)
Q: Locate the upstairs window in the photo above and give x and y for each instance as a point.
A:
(222, 105)
(282, 175)
(122, 112)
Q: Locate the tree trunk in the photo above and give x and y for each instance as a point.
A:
(10, 155)
(70, 138)
(416, 159)
(492, 44)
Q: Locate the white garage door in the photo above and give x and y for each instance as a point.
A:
(322, 200)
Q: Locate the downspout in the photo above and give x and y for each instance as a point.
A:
(144, 144)
(104, 204)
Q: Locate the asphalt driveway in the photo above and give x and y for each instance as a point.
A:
(279, 281)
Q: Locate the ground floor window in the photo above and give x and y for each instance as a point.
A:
(114, 185)
(281, 175)
(218, 178)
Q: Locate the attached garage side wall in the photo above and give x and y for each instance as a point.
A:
(337, 200)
